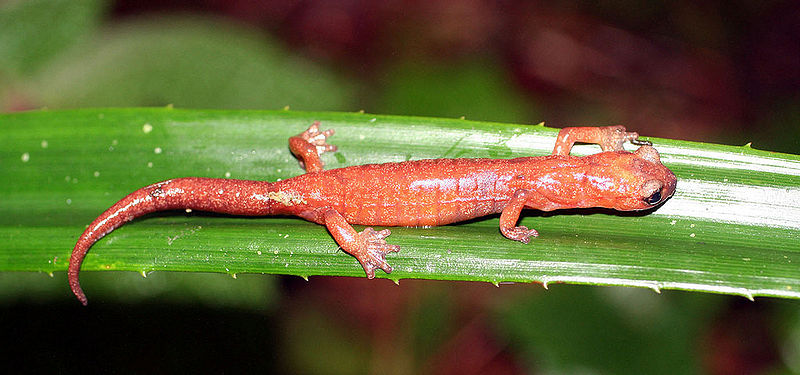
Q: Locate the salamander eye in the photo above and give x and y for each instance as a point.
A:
(653, 199)
(651, 192)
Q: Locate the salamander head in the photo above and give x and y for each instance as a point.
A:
(630, 181)
(649, 182)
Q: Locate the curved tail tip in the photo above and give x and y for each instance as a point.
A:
(76, 289)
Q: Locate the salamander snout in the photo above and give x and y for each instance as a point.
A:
(660, 183)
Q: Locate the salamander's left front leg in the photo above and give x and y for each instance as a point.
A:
(368, 246)
(610, 138)
(309, 145)
(510, 216)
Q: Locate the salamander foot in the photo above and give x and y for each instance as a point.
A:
(375, 252)
(318, 138)
(309, 145)
(615, 136)
(520, 233)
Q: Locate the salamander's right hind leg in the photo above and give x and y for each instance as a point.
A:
(309, 145)
(368, 246)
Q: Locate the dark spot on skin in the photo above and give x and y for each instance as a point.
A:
(521, 177)
(157, 192)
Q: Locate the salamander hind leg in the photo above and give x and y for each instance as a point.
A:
(610, 138)
(510, 216)
(368, 246)
(309, 145)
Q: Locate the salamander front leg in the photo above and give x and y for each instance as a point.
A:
(368, 246)
(309, 145)
(510, 216)
(610, 138)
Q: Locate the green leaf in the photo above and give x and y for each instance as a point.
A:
(475, 89)
(732, 226)
(187, 61)
(32, 32)
(556, 334)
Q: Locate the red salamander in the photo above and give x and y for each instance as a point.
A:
(412, 193)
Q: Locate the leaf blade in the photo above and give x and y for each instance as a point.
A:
(731, 227)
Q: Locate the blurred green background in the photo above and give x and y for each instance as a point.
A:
(726, 72)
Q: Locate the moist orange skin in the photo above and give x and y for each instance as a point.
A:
(414, 193)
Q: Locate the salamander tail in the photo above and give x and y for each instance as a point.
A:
(237, 197)
(74, 284)
(138, 203)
